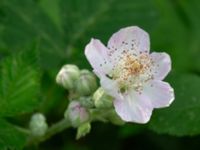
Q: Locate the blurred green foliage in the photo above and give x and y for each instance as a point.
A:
(37, 37)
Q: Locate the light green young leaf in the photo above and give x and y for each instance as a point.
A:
(182, 117)
(83, 130)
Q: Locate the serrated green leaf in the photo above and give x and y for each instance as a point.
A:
(171, 35)
(52, 9)
(178, 33)
(25, 21)
(191, 10)
(100, 19)
(182, 117)
(65, 32)
(11, 137)
(19, 84)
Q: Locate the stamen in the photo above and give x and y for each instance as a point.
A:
(132, 71)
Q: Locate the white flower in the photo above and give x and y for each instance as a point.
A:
(130, 74)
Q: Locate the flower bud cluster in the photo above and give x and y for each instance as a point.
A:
(89, 103)
(83, 82)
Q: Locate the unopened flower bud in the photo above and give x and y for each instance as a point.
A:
(76, 114)
(101, 99)
(83, 130)
(67, 76)
(38, 125)
(86, 84)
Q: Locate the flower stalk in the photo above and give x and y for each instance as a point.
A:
(97, 115)
(54, 129)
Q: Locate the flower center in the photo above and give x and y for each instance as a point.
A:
(132, 71)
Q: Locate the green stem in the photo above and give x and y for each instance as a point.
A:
(64, 124)
(23, 130)
(54, 129)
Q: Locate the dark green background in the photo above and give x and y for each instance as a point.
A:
(37, 37)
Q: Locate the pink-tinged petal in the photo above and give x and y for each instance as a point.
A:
(133, 39)
(133, 107)
(162, 65)
(96, 54)
(160, 93)
(110, 86)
